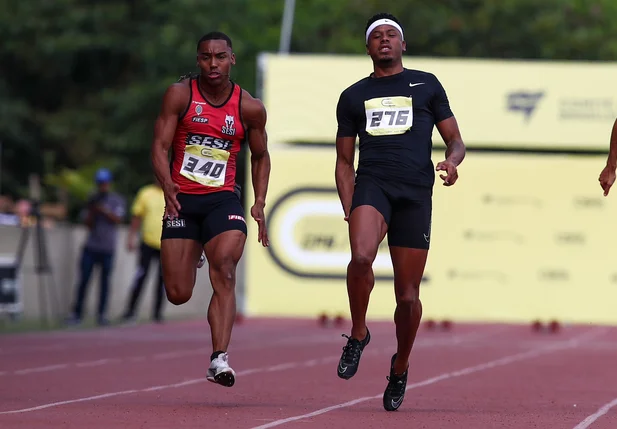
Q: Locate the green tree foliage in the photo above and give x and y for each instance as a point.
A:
(81, 81)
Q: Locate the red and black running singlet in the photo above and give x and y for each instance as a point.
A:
(206, 143)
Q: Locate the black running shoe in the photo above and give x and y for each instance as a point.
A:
(395, 391)
(348, 365)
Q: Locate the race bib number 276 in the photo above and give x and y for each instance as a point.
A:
(388, 115)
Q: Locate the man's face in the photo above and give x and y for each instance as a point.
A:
(385, 45)
(214, 58)
(104, 187)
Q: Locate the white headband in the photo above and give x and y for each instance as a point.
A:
(384, 21)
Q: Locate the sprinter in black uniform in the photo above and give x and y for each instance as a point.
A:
(393, 112)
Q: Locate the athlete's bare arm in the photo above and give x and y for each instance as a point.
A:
(255, 116)
(607, 176)
(174, 103)
(455, 150)
(344, 172)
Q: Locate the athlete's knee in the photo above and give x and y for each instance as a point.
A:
(362, 259)
(408, 295)
(177, 294)
(224, 271)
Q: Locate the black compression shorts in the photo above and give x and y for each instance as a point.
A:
(202, 217)
(406, 210)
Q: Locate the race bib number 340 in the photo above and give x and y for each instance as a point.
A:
(388, 115)
(205, 165)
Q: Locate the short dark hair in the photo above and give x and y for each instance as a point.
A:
(381, 16)
(215, 35)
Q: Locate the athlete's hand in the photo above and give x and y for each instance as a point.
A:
(451, 175)
(257, 211)
(607, 178)
(172, 206)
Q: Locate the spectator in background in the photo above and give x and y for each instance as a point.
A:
(104, 212)
(148, 211)
(6, 205)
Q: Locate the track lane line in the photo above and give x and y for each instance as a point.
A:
(604, 409)
(564, 345)
(271, 368)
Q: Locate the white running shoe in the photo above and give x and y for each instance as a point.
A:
(220, 372)
(202, 260)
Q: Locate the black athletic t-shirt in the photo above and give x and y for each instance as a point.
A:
(394, 118)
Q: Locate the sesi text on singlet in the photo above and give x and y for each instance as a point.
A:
(206, 143)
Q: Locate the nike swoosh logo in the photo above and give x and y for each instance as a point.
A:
(342, 368)
(426, 237)
(396, 404)
(416, 84)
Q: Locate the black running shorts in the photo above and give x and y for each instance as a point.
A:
(406, 209)
(202, 217)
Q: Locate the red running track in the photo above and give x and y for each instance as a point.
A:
(153, 376)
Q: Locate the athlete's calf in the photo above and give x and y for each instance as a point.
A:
(223, 253)
(179, 257)
(408, 267)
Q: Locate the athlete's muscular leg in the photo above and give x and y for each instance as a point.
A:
(408, 270)
(223, 253)
(179, 257)
(367, 229)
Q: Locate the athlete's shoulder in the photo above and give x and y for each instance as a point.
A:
(422, 76)
(253, 102)
(177, 96)
(419, 74)
(356, 86)
(253, 109)
(183, 83)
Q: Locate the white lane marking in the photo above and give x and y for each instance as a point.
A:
(430, 342)
(595, 416)
(277, 367)
(41, 369)
(105, 361)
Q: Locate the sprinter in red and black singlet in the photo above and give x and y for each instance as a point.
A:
(203, 122)
(207, 142)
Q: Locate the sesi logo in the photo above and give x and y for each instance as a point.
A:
(175, 223)
(209, 141)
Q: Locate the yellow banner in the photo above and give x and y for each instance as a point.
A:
(518, 237)
(563, 105)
